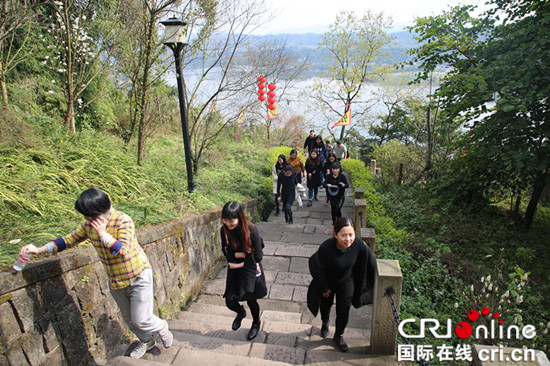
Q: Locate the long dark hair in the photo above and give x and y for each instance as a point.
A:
(233, 210)
(342, 222)
(316, 161)
(278, 167)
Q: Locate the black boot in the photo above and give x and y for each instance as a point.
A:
(324, 330)
(290, 218)
(342, 345)
(237, 322)
(286, 217)
(253, 330)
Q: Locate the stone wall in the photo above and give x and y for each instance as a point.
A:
(58, 310)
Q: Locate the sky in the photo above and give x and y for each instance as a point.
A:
(302, 16)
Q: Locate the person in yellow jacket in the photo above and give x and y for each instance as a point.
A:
(297, 164)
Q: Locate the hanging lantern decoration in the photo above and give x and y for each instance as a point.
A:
(261, 88)
(272, 101)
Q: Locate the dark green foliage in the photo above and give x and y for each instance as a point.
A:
(498, 86)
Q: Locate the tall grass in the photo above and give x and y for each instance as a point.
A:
(40, 182)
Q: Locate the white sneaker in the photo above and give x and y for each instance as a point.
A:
(142, 347)
(166, 336)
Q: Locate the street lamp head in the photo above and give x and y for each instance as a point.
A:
(175, 32)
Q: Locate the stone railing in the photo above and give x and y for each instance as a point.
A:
(387, 283)
(58, 310)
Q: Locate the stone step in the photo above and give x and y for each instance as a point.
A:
(254, 350)
(203, 357)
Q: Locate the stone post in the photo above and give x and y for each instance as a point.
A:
(384, 328)
(359, 192)
(373, 166)
(360, 216)
(368, 235)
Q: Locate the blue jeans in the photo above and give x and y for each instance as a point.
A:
(312, 191)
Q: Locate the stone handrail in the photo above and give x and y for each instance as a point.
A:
(58, 310)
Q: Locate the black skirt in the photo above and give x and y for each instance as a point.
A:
(235, 288)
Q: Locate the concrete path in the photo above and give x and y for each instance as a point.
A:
(289, 335)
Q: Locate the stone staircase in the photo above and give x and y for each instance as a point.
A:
(289, 335)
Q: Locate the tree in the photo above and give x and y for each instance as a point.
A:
(212, 78)
(354, 46)
(402, 117)
(497, 85)
(77, 54)
(16, 21)
(282, 67)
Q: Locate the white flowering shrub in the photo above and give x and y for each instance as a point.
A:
(503, 295)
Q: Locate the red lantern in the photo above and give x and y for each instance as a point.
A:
(271, 87)
(271, 93)
(271, 100)
(261, 79)
(261, 91)
(271, 106)
(261, 86)
(261, 98)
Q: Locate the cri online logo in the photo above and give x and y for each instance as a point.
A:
(465, 329)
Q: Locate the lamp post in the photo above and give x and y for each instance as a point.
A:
(175, 37)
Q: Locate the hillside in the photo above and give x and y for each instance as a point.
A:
(306, 45)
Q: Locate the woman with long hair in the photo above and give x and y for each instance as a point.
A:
(336, 184)
(343, 266)
(320, 147)
(286, 191)
(279, 165)
(314, 172)
(243, 249)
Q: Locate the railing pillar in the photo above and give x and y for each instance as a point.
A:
(359, 192)
(360, 216)
(373, 166)
(368, 235)
(384, 328)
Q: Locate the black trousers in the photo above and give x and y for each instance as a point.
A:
(238, 308)
(344, 295)
(287, 208)
(336, 207)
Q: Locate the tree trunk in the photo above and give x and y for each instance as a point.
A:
(4, 94)
(69, 117)
(3, 86)
(342, 133)
(141, 144)
(538, 187)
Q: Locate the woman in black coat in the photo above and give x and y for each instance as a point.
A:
(336, 184)
(314, 169)
(286, 190)
(243, 249)
(343, 266)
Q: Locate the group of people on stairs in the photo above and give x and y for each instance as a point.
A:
(343, 266)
